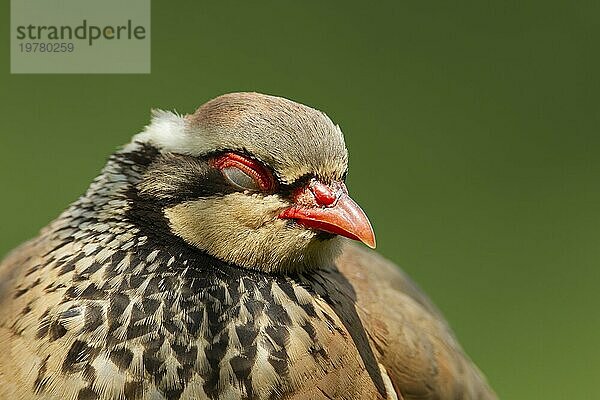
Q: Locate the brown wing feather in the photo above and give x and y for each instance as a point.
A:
(408, 334)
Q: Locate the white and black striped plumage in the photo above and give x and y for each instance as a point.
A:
(166, 280)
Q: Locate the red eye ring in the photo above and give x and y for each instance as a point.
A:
(250, 167)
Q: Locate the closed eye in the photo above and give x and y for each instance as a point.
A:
(238, 178)
(244, 173)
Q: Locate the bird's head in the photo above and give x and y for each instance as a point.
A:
(253, 180)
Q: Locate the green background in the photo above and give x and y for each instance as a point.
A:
(473, 137)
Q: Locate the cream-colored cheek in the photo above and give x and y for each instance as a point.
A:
(244, 229)
(236, 210)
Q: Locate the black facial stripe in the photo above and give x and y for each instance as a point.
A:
(174, 178)
(211, 184)
(197, 178)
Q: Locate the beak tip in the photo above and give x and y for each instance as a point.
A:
(369, 241)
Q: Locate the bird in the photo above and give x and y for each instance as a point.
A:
(219, 255)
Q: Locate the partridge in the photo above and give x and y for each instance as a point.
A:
(213, 258)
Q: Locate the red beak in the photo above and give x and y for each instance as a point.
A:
(333, 211)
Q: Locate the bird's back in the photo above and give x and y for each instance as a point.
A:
(407, 333)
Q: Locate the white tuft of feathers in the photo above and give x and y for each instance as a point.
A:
(166, 131)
